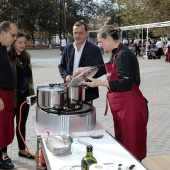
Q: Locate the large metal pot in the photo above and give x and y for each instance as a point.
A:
(76, 89)
(76, 94)
(51, 96)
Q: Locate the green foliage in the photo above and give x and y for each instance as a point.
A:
(137, 12)
(45, 18)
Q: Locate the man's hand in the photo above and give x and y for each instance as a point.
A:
(69, 78)
(1, 105)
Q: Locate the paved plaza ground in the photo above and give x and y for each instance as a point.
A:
(155, 85)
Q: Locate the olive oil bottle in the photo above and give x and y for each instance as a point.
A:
(88, 159)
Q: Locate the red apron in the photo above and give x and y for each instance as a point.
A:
(168, 54)
(129, 110)
(7, 118)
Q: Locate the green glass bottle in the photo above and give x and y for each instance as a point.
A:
(88, 159)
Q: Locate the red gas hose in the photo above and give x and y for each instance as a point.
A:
(34, 155)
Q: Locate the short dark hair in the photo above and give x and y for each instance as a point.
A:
(5, 26)
(20, 34)
(80, 23)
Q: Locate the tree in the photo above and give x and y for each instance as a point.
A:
(137, 12)
(159, 12)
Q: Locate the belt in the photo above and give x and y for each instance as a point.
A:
(22, 91)
(90, 102)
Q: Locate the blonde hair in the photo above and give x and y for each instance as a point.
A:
(109, 30)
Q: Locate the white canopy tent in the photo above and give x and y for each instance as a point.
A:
(151, 25)
(143, 26)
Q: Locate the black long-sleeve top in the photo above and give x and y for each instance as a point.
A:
(7, 76)
(23, 75)
(127, 69)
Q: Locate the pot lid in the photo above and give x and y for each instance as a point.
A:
(78, 80)
(51, 88)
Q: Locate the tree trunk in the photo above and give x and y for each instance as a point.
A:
(49, 39)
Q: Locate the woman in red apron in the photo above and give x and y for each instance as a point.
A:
(130, 120)
(168, 52)
(128, 106)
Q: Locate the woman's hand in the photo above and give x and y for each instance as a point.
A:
(33, 102)
(1, 105)
(92, 82)
(80, 70)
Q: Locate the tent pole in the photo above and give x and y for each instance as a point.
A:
(142, 43)
(121, 36)
(147, 42)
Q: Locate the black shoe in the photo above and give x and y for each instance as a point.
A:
(25, 156)
(7, 159)
(5, 165)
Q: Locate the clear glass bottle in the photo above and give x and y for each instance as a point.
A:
(75, 150)
(88, 159)
(120, 167)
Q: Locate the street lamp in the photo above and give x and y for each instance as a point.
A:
(60, 20)
(17, 10)
(59, 16)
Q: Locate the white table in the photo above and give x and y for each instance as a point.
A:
(41, 132)
(105, 150)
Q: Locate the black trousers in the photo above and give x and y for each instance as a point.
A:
(137, 50)
(160, 52)
(0, 155)
(21, 97)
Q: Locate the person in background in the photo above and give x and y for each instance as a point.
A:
(159, 46)
(126, 42)
(148, 44)
(101, 49)
(136, 45)
(80, 53)
(63, 44)
(8, 34)
(128, 105)
(168, 51)
(23, 70)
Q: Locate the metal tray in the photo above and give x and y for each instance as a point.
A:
(78, 80)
